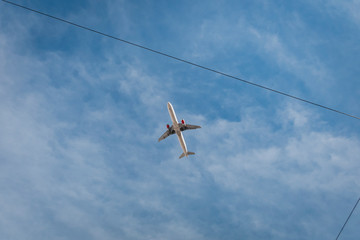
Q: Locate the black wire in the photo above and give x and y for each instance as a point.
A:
(348, 218)
(182, 60)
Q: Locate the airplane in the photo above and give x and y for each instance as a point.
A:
(177, 128)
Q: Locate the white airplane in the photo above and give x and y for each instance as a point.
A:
(178, 128)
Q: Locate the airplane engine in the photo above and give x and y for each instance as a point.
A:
(182, 121)
(167, 126)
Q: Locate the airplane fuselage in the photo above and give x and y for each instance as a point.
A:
(177, 128)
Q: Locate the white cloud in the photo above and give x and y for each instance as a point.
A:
(79, 157)
(142, 86)
(286, 46)
(305, 159)
(347, 9)
(57, 167)
(305, 65)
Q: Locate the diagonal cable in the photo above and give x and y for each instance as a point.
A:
(348, 219)
(181, 60)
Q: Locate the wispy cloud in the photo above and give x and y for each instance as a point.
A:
(79, 155)
(345, 9)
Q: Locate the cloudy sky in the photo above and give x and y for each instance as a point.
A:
(81, 115)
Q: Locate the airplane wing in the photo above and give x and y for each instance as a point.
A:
(168, 132)
(165, 135)
(188, 127)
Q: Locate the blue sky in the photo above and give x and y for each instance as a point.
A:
(81, 115)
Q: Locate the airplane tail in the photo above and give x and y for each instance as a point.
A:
(187, 154)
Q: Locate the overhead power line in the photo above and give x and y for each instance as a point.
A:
(181, 60)
(348, 219)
